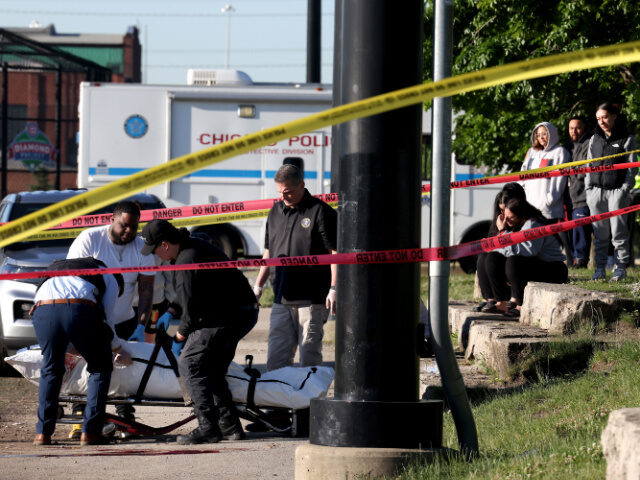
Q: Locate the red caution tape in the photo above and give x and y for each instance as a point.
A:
(183, 212)
(408, 255)
(251, 205)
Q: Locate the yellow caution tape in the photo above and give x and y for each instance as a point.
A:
(577, 163)
(181, 166)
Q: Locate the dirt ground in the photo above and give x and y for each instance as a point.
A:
(261, 455)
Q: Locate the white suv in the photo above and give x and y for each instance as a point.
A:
(16, 296)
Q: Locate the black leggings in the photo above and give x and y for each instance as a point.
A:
(493, 283)
(517, 271)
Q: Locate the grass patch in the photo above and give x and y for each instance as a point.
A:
(554, 359)
(460, 286)
(629, 287)
(550, 430)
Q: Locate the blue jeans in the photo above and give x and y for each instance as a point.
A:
(581, 235)
(82, 325)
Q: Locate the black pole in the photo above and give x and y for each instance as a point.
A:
(5, 128)
(337, 92)
(313, 41)
(58, 126)
(376, 386)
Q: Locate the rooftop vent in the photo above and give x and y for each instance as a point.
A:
(210, 78)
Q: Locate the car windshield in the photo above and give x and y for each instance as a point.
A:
(22, 209)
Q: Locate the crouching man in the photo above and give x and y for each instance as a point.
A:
(218, 309)
(73, 310)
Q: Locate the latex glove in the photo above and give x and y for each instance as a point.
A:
(257, 291)
(164, 321)
(123, 358)
(138, 335)
(330, 302)
(176, 348)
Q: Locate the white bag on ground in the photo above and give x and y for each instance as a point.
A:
(286, 387)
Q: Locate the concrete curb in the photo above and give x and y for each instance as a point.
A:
(620, 440)
(317, 462)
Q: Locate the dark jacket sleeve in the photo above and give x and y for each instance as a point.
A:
(328, 227)
(184, 289)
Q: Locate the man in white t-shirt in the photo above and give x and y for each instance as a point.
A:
(117, 245)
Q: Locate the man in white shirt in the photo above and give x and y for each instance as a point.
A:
(117, 245)
(73, 310)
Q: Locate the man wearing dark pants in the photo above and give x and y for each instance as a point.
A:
(578, 147)
(299, 224)
(117, 245)
(218, 309)
(73, 310)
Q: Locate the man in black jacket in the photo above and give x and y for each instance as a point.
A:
(218, 309)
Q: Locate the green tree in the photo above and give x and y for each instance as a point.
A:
(495, 126)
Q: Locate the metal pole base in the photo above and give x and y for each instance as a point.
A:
(372, 424)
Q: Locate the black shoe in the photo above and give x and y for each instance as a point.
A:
(479, 307)
(231, 427)
(233, 432)
(490, 307)
(200, 435)
(579, 263)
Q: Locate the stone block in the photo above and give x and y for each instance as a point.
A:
(620, 440)
(502, 344)
(462, 315)
(562, 308)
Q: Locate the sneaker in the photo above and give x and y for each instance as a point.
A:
(620, 273)
(599, 274)
(76, 431)
(579, 263)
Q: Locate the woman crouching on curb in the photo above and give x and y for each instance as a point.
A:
(495, 291)
(538, 260)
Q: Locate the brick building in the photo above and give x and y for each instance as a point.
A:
(41, 73)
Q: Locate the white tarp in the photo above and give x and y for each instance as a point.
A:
(286, 387)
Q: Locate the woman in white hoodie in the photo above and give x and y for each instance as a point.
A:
(546, 194)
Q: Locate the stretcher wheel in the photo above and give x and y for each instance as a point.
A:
(300, 423)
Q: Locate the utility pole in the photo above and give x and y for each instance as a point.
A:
(376, 402)
(439, 271)
(313, 41)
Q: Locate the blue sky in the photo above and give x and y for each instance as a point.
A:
(267, 37)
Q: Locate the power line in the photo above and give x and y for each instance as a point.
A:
(235, 67)
(235, 50)
(153, 14)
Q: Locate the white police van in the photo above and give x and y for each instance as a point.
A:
(126, 128)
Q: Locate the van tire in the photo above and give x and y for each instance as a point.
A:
(223, 242)
(223, 239)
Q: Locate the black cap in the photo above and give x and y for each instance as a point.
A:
(157, 231)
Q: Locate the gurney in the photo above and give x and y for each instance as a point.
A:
(277, 401)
